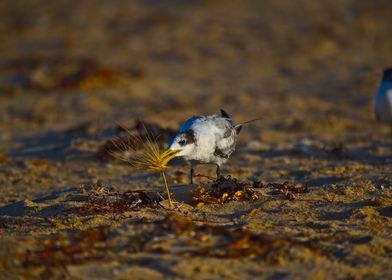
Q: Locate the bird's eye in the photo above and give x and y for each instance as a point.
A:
(182, 142)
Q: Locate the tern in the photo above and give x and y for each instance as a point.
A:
(383, 99)
(206, 139)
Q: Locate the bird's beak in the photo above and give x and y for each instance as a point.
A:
(176, 151)
(169, 153)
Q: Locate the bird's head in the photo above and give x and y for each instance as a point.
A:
(184, 142)
(387, 74)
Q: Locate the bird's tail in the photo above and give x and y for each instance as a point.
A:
(238, 127)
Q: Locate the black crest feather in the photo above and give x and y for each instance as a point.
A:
(224, 114)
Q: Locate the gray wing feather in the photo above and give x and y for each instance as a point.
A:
(226, 143)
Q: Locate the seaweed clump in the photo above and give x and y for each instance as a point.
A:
(231, 189)
(224, 191)
(289, 190)
(76, 248)
(101, 199)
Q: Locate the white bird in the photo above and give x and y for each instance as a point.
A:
(206, 139)
(383, 99)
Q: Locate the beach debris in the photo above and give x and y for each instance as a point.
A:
(376, 202)
(288, 189)
(59, 73)
(99, 198)
(174, 234)
(62, 249)
(231, 189)
(223, 191)
(214, 240)
(143, 152)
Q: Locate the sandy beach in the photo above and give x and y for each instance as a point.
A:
(307, 193)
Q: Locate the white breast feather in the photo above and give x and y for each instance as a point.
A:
(209, 133)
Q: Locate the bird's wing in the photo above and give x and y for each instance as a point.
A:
(224, 148)
(225, 137)
(222, 123)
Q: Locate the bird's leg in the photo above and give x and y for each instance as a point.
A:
(390, 139)
(218, 173)
(192, 173)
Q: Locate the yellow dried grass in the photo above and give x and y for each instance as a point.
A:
(143, 152)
